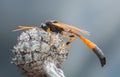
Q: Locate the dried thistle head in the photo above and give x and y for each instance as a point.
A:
(37, 49)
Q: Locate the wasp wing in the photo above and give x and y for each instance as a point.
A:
(71, 28)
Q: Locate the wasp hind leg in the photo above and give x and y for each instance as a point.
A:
(72, 37)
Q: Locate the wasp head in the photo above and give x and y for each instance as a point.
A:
(53, 28)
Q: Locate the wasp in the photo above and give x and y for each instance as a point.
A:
(64, 29)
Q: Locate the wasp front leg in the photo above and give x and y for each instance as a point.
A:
(51, 40)
(48, 30)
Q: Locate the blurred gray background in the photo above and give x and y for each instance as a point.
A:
(100, 17)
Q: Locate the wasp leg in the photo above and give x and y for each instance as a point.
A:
(51, 41)
(22, 28)
(53, 37)
(72, 37)
(48, 30)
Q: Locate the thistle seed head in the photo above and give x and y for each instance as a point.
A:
(37, 49)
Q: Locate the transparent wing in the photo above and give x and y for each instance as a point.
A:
(72, 28)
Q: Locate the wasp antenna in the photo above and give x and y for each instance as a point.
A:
(16, 30)
(26, 27)
(22, 28)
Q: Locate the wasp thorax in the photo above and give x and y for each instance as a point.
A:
(36, 48)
